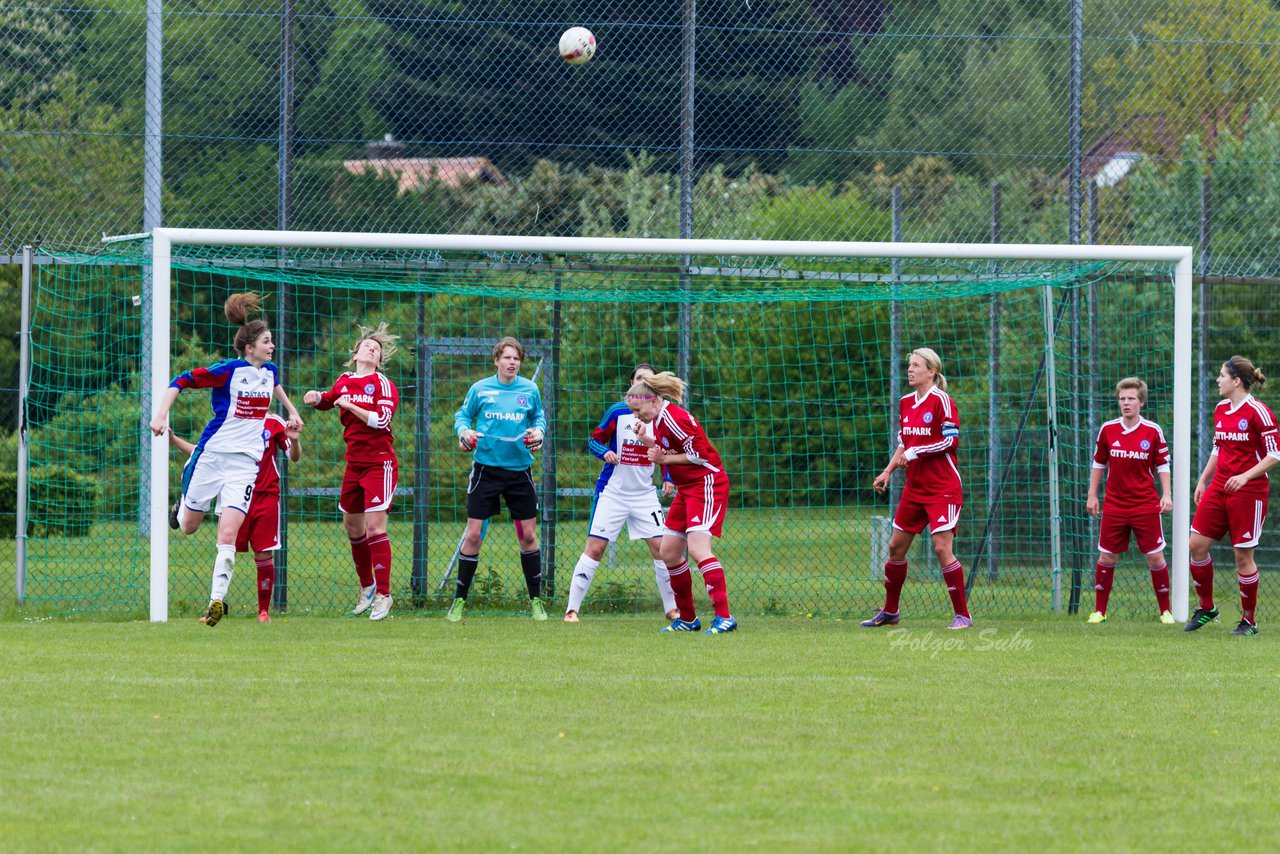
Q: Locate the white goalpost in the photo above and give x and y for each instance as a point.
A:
(157, 307)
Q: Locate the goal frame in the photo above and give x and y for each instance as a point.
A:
(157, 295)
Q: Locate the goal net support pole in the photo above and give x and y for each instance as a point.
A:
(164, 239)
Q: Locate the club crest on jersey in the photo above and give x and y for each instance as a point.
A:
(368, 389)
(266, 436)
(522, 401)
(1145, 444)
(928, 418)
(665, 443)
(1243, 425)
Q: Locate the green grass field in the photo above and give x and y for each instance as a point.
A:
(502, 734)
(778, 562)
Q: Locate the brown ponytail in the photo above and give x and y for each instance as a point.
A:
(237, 308)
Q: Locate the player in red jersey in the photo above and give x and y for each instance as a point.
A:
(368, 401)
(260, 532)
(928, 433)
(680, 445)
(1130, 449)
(1234, 502)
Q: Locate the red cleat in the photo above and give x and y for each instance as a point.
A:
(264, 617)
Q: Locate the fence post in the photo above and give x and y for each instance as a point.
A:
(895, 346)
(152, 217)
(421, 457)
(993, 390)
(1202, 357)
(24, 389)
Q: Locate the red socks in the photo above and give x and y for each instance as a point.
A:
(266, 581)
(379, 548)
(895, 575)
(1160, 584)
(1103, 577)
(1248, 595)
(1202, 575)
(682, 586)
(713, 577)
(953, 575)
(360, 555)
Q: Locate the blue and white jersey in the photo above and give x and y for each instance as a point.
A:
(632, 475)
(241, 397)
(501, 413)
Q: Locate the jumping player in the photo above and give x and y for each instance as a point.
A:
(680, 446)
(224, 464)
(260, 532)
(928, 434)
(1130, 449)
(624, 495)
(502, 422)
(1234, 502)
(368, 401)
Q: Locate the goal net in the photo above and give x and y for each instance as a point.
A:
(795, 355)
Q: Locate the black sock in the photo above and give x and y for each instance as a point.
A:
(466, 571)
(531, 563)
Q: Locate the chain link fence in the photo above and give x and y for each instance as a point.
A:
(741, 119)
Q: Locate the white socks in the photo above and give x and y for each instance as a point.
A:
(663, 577)
(224, 566)
(583, 572)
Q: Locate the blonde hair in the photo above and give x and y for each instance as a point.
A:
(665, 384)
(1249, 374)
(1133, 383)
(504, 344)
(237, 308)
(933, 362)
(382, 335)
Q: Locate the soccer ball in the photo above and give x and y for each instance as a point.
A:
(577, 45)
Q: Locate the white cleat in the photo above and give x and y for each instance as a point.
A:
(364, 601)
(381, 607)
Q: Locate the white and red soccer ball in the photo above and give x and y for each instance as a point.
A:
(577, 45)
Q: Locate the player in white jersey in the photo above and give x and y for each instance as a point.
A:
(224, 464)
(624, 495)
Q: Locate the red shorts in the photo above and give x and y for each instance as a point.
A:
(1239, 513)
(1116, 525)
(368, 486)
(701, 507)
(939, 514)
(260, 531)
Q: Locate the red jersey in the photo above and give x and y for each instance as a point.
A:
(276, 439)
(1131, 457)
(929, 430)
(1242, 435)
(677, 432)
(366, 443)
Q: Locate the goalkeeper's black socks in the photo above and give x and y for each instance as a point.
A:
(531, 563)
(466, 572)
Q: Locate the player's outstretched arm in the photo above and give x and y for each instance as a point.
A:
(160, 422)
(283, 399)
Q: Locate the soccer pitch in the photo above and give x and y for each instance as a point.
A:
(503, 734)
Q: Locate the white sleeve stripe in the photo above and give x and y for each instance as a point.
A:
(947, 442)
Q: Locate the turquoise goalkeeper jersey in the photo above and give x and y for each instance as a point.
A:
(500, 414)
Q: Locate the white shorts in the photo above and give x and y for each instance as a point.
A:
(227, 477)
(641, 513)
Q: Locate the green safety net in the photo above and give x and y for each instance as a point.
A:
(794, 366)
